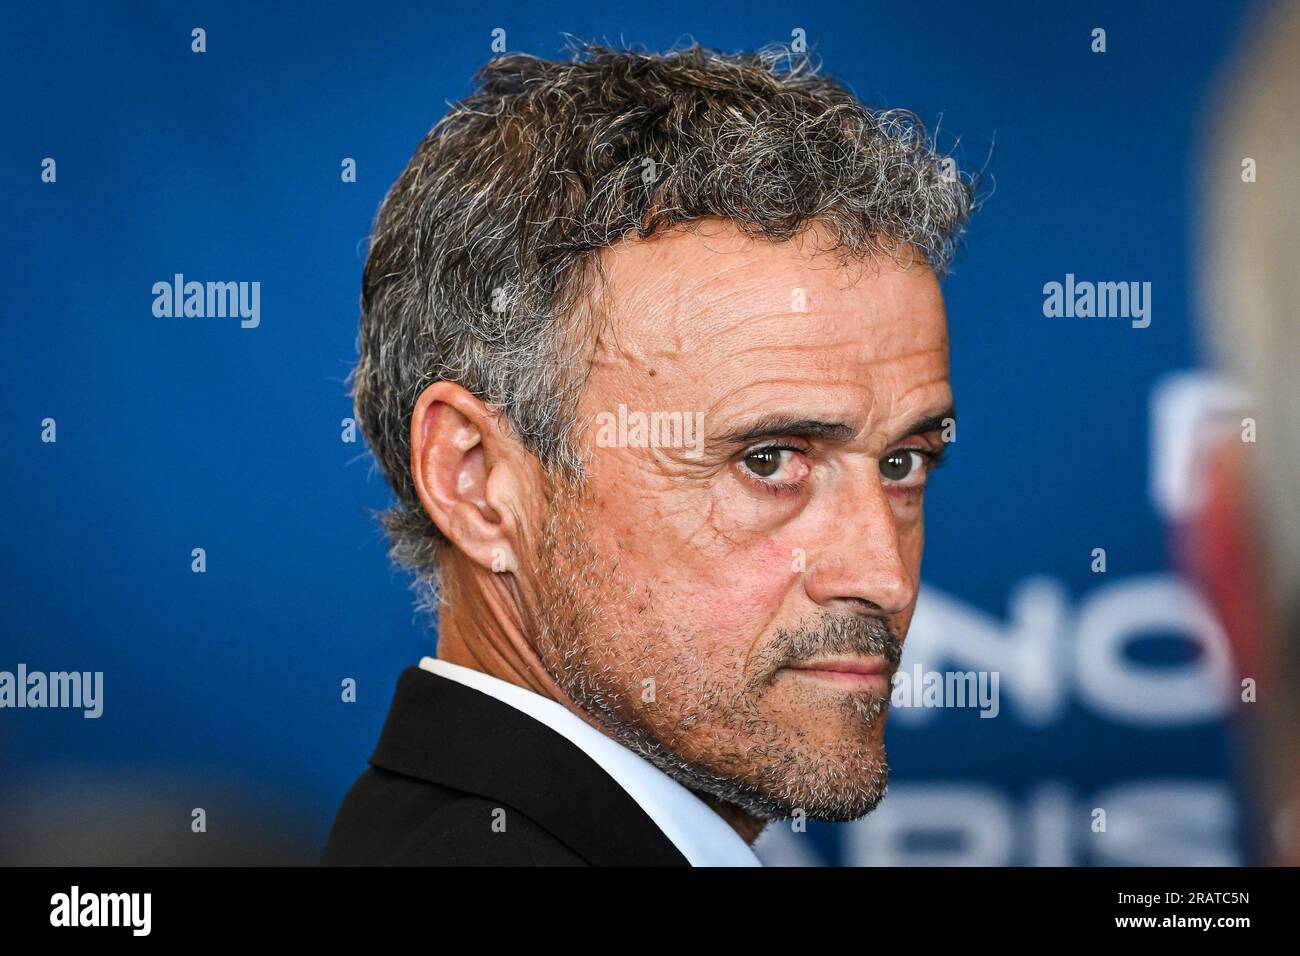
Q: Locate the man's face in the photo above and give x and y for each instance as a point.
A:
(719, 605)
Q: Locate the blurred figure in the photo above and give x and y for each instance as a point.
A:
(1245, 545)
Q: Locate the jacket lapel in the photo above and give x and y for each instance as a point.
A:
(450, 734)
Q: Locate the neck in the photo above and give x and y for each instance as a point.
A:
(479, 627)
(749, 827)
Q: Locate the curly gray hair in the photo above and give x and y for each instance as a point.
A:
(487, 246)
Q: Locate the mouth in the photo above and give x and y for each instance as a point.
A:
(854, 672)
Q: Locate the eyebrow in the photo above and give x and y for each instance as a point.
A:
(779, 425)
(932, 423)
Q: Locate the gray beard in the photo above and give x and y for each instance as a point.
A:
(785, 780)
(828, 805)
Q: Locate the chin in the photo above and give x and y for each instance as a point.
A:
(838, 802)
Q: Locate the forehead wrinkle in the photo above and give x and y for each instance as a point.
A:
(681, 294)
(804, 367)
(678, 319)
(785, 387)
(847, 327)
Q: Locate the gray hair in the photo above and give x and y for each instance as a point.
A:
(486, 251)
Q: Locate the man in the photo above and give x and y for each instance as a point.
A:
(654, 356)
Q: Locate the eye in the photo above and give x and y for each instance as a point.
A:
(775, 464)
(905, 466)
(765, 462)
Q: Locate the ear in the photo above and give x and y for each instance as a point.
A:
(466, 471)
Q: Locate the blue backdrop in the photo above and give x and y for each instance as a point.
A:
(222, 689)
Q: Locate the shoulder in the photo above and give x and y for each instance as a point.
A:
(389, 818)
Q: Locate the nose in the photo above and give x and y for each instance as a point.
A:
(860, 568)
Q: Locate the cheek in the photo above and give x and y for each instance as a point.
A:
(736, 594)
(911, 536)
(911, 546)
(703, 580)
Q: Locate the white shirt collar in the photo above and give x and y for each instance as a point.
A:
(703, 837)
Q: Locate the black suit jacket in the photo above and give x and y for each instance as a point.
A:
(452, 762)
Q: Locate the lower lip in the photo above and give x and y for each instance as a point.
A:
(846, 678)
